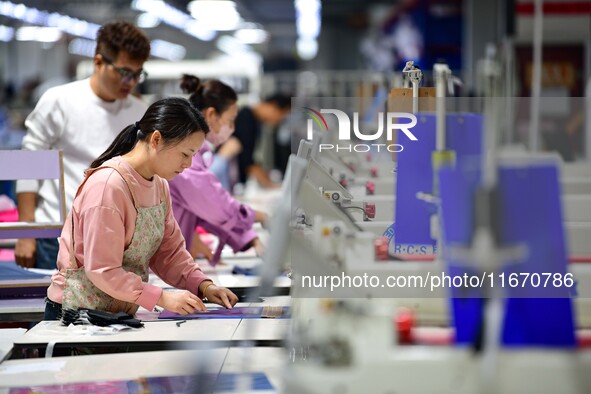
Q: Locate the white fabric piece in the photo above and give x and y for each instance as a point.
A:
(93, 330)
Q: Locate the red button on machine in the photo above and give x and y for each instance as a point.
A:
(370, 210)
(370, 188)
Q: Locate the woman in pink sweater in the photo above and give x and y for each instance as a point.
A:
(121, 224)
(198, 198)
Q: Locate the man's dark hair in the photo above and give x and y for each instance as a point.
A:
(282, 101)
(114, 37)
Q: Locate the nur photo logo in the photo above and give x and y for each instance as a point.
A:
(393, 121)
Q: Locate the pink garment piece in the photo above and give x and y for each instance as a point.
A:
(7, 255)
(205, 237)
(105, 203)
(10, 215)
(198, 199)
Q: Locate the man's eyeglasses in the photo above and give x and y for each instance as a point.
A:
(128, 75)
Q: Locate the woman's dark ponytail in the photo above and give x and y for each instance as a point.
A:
(122, 144)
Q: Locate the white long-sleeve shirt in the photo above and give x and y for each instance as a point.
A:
(73, 118)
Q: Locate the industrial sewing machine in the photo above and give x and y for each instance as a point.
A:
(348, 341)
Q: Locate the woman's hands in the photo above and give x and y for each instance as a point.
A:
(218, 295)
(182, 302)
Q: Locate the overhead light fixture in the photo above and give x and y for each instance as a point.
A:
(237, 51)
(19, 11)
(33, 16)
(82, 47)
(65, 23)
(307, 48)
(308, 20)
(251, 35)
(219, 15)
(150, 6)
(158, 48)
(6, 33)
(147, 20)
(39, 34)
(173, 17)
(167, 50)
(207, 8)
(202, 9)
(231, 45)
(226, 23)
(202, 32)
(308, 24)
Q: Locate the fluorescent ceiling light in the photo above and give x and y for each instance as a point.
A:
(19, 11)
(308, 24)
(199, 30)
(231, 45)
(308, 6)
(251, 36)
(174, 17)
(225, 23)
(147, 20)
(6, 33)
(211, 8)
(308, 21)
(150, 6)
(158, 48)
(34, 16)
(82, 47)
(167, 50)
(219, 15)
(307, 48)
(40, 34)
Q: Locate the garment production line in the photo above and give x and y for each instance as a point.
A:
(346, 341)
(468, 207)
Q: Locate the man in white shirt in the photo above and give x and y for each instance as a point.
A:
(81, 118)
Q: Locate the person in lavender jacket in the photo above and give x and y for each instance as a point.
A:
(198, 198)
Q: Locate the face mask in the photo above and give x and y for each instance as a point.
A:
(221, 136)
